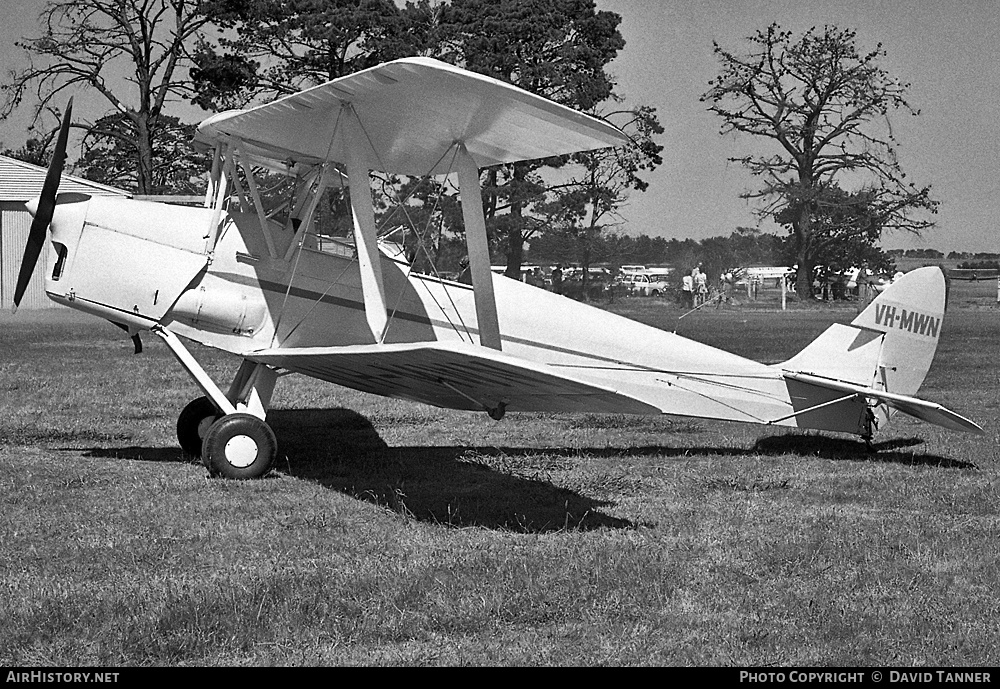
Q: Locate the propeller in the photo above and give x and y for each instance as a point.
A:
(46, 206)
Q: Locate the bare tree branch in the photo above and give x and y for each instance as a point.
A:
(827, 106)
(91, 44)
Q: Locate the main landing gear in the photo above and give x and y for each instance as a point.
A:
(227, 431)
(237, 445)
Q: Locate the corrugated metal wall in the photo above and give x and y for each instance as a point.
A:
(15, 221)
(21, 181)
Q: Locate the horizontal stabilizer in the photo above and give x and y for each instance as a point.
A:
(930, 412)
(842, 352)
(452, 375)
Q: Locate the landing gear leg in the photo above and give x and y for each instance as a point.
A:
(227, 431)
(252, 388)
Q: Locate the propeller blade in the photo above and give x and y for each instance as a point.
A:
(46, 206)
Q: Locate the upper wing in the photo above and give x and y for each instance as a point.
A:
(412, 112)
(452, 375)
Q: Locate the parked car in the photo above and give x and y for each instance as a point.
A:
(648, 284)
(598, 283)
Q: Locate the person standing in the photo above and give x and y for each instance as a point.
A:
(557, 279)
(464, 272)
(701, 286)
(687, 289)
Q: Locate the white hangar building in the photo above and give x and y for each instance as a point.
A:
(20, 182)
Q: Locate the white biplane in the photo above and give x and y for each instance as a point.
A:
(232, 276)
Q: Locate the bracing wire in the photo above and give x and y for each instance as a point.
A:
(464, 331)
(453, 149)
(460, 328)
(298, 253)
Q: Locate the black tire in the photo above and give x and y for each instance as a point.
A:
(239, 446)
(193, 424)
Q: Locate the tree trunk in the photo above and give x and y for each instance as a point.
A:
(515, 230)
(144, 146)
(802, 229)
(803, 278)
(515, 251)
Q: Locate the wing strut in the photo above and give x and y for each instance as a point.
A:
(479, 250)
(365, 230)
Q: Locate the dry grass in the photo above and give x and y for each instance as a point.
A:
(396, 534)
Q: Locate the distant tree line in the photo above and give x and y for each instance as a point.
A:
(934, 254)
(916, 253)
(746, 246)
(716, 255)
(979, 265)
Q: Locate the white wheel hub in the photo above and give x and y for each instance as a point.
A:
(241, 451)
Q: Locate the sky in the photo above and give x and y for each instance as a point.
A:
(945, 50)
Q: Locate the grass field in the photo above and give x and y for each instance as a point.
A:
(397, 534)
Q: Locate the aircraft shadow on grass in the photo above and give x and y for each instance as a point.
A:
(891, 451)
(456, 485)
(342, 450)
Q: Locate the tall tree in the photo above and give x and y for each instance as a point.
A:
(278, 47)
(589, 201)
(91, 43)
(110, 154)
(826, 107)
(846, 228)
(555, 48)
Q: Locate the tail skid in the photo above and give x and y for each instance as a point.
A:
(852, 377)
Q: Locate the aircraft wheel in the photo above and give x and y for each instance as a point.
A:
(193, 424)
(239, 446)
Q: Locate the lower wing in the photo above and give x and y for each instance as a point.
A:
(454, 376)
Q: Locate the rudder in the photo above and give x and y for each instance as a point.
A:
(909, 313)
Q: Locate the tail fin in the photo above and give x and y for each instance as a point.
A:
(852, 376)
(890, 345)
(909, 312)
